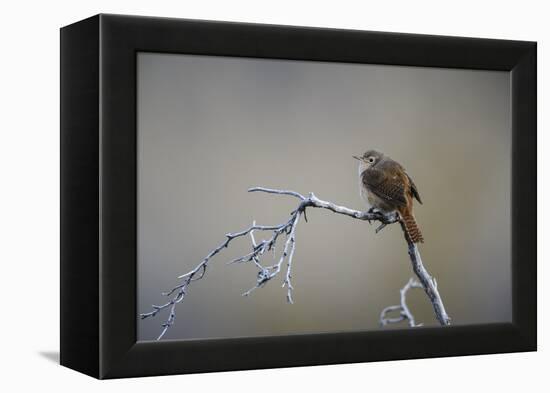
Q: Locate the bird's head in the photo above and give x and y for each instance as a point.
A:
(370, 158)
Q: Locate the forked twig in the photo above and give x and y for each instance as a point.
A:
(405, 313)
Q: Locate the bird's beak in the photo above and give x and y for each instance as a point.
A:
(357, 158)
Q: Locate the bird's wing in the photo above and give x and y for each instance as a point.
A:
(414, 190)
(389, 187)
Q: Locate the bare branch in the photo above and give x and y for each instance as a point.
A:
(288, 230)
(429, 284)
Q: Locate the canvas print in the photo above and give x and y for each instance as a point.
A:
(280, 197)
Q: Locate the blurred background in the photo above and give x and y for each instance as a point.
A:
(211, 127)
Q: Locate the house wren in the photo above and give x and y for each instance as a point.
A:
(385, 185)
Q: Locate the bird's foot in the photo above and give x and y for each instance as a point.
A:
(380, 227)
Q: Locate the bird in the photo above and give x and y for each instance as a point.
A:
(385, 186)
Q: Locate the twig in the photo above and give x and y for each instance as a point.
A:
(404, 311)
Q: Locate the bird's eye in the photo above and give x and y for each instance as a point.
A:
(370, 160)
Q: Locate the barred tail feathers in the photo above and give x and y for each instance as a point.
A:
(410, 227)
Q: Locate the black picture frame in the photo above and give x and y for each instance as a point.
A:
(98, 194)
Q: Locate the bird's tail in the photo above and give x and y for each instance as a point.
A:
(410, 227)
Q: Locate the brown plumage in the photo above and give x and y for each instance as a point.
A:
(385, 185)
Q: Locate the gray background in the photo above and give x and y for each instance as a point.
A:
(211, 127)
